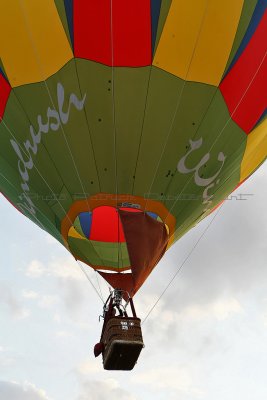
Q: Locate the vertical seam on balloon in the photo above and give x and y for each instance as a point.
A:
(148, 87)
(142, 128)
(114, 118)
(93, 151)
(30, 122)
(85, 112)
(51, 99)
(178, 101)
(146, 98)
(88, 127)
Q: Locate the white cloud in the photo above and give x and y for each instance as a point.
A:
(50, 239)
(64, 268)
(95, 389)
(57, 318)
(169, 378)
(35, 269)
(103, 390)
(24, 313)
(10, 302)
(44, 301)
(63, 334)
(264, 319)
(73, 290)
(29, 294)
(47, 301)
(21, 391)
(6, 358)
(90, 366)
(220, 309)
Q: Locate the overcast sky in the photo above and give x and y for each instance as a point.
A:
(206, 339)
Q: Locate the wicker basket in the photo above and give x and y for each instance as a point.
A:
(123, 341)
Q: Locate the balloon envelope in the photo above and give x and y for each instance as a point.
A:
(123, 124)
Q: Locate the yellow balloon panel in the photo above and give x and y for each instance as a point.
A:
(30, 50)
(197, 39)
(256, 150)
(75, 234)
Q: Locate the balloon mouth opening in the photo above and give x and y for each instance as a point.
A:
(103, 224)
(97, 237)
(93, 232)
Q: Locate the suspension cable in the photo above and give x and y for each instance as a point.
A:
(99, 286)
(181, 266)
(88, 278)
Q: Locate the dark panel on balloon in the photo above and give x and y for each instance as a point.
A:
(86, 222)
(164, 10)
(245, 19)
(155, 12)
(65, 12)
(69, 14)
(255, 20)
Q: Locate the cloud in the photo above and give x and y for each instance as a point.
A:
(96, 389)
(57, 318)
(169, 378)
(102, 390)
(47, 301)
(29, 294)
(220, 309)
(35, 269)
(11, 303)
(64, 268)
(63, 334)
(44, 301)
(176, 325)
(7, 358)
(90, 366)
(73, 291)
(21, 391)
(71, 282)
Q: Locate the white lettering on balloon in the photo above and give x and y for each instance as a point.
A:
(206, 183)
(26, 151)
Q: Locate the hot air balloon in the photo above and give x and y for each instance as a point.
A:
(125, 123)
